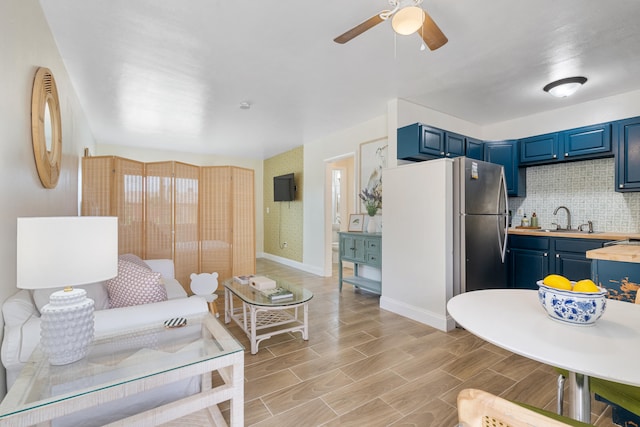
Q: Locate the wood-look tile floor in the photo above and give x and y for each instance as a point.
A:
(364, 366)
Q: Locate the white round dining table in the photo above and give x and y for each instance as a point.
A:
(515, 320)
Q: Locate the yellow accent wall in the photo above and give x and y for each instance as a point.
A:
(283, 221)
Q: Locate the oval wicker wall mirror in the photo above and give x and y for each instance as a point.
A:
(46, 131)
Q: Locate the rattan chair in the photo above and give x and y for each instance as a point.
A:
(477, 408)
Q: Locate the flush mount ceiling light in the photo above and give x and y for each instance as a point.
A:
(565, 87)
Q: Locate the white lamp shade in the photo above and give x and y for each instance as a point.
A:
(407, 20)
(65, 251)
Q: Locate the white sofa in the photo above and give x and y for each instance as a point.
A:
(22, 317)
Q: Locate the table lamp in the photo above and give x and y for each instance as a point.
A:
(55, 252)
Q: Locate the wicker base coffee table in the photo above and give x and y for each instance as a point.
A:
(260, 318)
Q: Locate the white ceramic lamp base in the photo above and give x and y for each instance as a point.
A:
(66, 326)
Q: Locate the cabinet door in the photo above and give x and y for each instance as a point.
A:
(454, 145)
(526, 267)
(418, 142)
(572, 266)
(571, 257)
(505, 153)
(541, 148)
(590, 141)
(352, 248)
(474, 149)
(627, 136)
(432, 141)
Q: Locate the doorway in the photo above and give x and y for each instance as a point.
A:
(340, 200)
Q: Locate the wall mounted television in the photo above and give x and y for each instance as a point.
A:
(284, 188)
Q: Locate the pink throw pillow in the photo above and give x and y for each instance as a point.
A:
(135, 285)
(134, 259)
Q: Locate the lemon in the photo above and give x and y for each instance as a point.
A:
(585, 285)
(557, 281)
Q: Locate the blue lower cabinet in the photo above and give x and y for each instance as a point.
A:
(621, 279)
(530, 259)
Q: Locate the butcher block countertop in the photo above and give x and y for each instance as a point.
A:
(602, 235)
(623, 253)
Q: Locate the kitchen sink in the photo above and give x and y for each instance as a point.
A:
(573, 231)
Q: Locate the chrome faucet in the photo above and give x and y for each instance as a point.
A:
(568, 217)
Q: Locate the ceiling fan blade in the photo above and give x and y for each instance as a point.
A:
(359, 29)
(431, 33)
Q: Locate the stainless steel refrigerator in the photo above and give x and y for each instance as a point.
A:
(480, 225)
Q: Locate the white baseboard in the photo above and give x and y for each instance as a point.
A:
(443, 323)
(295, 264)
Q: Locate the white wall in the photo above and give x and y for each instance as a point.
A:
(602, 110)
(588, 113)
(149, 155)
(417, 244)
(316, 236)
(26, 44)
(409, 113)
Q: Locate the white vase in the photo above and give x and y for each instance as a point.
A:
(371, 225)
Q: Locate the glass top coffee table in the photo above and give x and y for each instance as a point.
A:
(259, 313)
(123, 365)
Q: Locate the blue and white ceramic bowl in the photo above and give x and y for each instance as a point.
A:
(576, 308)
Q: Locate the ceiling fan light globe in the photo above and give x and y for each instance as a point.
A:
(407, 20)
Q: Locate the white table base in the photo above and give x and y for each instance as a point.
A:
(253, 318)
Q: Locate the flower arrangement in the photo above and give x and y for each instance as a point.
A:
(372, 200)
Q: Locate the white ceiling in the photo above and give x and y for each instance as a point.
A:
(171, 74)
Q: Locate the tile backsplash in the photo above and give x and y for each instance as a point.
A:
(586, 188)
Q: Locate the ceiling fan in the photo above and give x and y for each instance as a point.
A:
(407, 17)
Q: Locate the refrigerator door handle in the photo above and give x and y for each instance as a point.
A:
(503, 215)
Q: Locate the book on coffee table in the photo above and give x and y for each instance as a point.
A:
(277, 294)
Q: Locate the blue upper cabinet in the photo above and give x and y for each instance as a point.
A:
(474, 149)
(541, 148)
(583, 143)
(454, 145)
(420, 142)
(627, 137)
(505, 153)
(589, 141)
